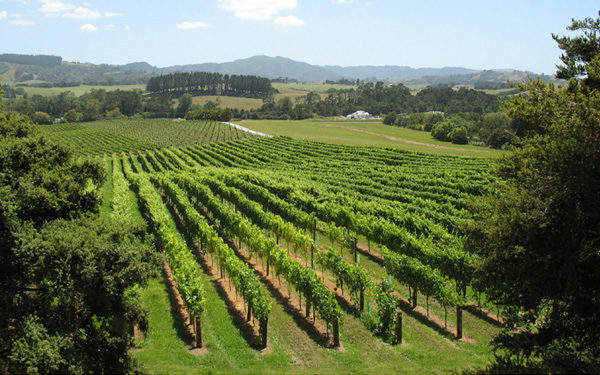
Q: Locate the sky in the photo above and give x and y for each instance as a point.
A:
(477, 34)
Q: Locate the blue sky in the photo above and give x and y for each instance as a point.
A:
(475, 34)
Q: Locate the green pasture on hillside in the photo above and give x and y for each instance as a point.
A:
(340, 132)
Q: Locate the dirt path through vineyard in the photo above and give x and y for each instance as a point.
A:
(398, 139)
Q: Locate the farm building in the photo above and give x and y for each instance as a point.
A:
(360, 115)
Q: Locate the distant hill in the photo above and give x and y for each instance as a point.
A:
(51, 70)
(139, 66)
(264, 66)
(38, 60)
(392, 72)
(478, 77)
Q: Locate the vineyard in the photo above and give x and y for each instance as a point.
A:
(309, 253)
(107, 137)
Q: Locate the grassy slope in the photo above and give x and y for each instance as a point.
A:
(77, 90)
(229, 101)
(328, 131)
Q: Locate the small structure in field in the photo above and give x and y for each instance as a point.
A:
(361, 115)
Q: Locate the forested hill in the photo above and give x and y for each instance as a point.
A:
(38, 60)
(35, 70)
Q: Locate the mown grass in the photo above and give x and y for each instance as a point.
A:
(78, 90)
(334, 132)
(229, 101)
(165, 350)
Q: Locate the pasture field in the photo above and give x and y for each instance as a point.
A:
(78, 90)
(306, 87)
(366, 133)
(300, 237)
(229, 101)
(292, 90)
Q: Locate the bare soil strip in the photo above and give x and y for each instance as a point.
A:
(391, 138)
(178, 305)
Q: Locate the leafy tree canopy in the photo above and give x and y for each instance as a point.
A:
(67, 278)
(539, 240)
(581, 57)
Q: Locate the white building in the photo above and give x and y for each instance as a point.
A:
(360, 115)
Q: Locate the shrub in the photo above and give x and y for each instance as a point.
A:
(72, 116)
(41, 118)
(458, 135)
(441, 131)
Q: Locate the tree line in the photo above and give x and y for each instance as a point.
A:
(203, 83)
(375, 98)
(378, 99)
(70, 280)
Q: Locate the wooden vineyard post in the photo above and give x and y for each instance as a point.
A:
(312, 248)
(414, 298)
(249, 316)
(307, 308)
(336, 331)
(198, 330)
(264, 322)
(362, 300)
(398, 326)
(459, 321)
(355, 250)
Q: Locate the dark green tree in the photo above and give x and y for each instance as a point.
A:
(581, 57)
(539, 239)
(67, 279)
(459, 136)
(390, 118)
(185, 102)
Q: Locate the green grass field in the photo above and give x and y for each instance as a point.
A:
(165, 350)
(340, 132)
(78, 90)
(229, 101)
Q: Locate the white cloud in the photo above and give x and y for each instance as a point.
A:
(53, 6)
(22, 23)
(110, 26)
(3, 14)
(113, 14)
(83, 13)
(189, 25)
(127, 28)
(289, 21)
(257, 9)
(88, 27)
